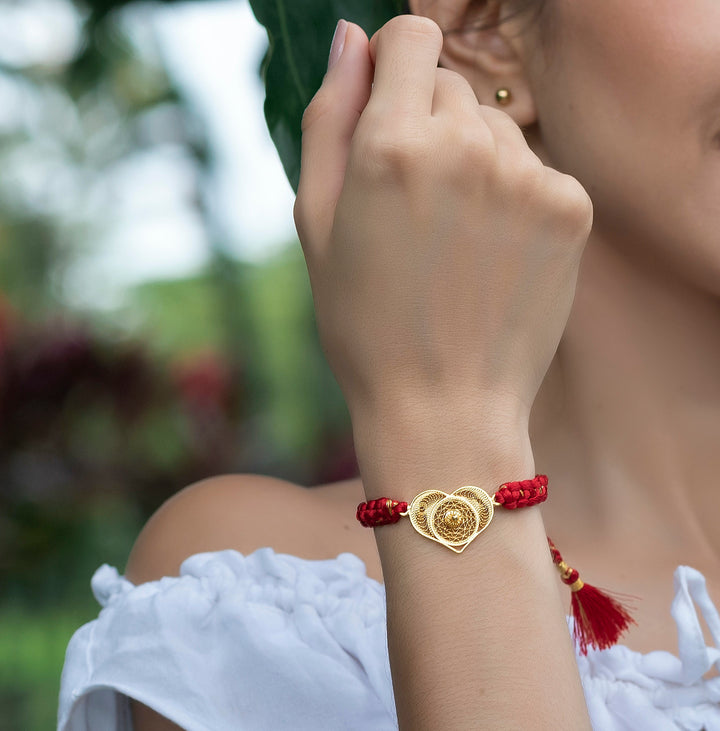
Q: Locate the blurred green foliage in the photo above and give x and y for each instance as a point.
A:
(34, 635)
(32, 648)
(293, 404)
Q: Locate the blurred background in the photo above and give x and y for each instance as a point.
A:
(156, 322)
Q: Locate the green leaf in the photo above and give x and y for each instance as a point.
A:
(299, 35)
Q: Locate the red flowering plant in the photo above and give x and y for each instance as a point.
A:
(86, 420)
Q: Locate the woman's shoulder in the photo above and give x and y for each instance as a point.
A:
(249, 511)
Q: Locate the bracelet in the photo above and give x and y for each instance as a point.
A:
(455, 520)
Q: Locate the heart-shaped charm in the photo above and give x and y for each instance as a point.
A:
(454, 520)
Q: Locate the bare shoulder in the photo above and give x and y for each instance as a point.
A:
(246, 512)
(243, 512)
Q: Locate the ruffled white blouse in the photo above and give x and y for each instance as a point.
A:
(271, 641)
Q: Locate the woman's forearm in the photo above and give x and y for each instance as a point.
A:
(477, 640)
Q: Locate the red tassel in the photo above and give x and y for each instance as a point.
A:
(599, 619)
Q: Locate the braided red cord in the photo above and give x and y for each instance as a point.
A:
(523, 493)
(383, 511)
(568, 576)
(511, 495)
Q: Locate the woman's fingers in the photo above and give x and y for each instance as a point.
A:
(396, 73)
(328, 125)
(452, 94)
(406, 52)
(509, 138)
(455, 103)
(394, 82)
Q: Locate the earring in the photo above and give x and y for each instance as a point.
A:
(503, 97)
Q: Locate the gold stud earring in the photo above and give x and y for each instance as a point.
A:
(503, 97)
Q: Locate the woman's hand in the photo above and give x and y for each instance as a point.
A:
(442, 253)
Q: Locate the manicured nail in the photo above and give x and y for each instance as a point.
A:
(338, 43)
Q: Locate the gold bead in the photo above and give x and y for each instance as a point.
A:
(503, 96)
(577, 585)
(452, 518)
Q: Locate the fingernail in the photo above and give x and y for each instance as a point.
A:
(338, 43)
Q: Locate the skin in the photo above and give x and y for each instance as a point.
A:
(645, 142)
(629, 408)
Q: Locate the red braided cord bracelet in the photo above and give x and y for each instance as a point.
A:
(455, 520)
(511, 495)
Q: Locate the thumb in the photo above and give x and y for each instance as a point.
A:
(328, 125)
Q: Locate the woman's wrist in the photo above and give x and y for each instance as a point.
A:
(442, 450)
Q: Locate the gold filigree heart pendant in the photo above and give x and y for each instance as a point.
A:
(454, 520)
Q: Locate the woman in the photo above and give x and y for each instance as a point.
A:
(444, 250)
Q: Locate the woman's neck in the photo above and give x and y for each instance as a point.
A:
(627, 422)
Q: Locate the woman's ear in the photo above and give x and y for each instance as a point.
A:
(487, 49)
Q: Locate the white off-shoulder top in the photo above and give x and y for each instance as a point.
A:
(270, 641)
